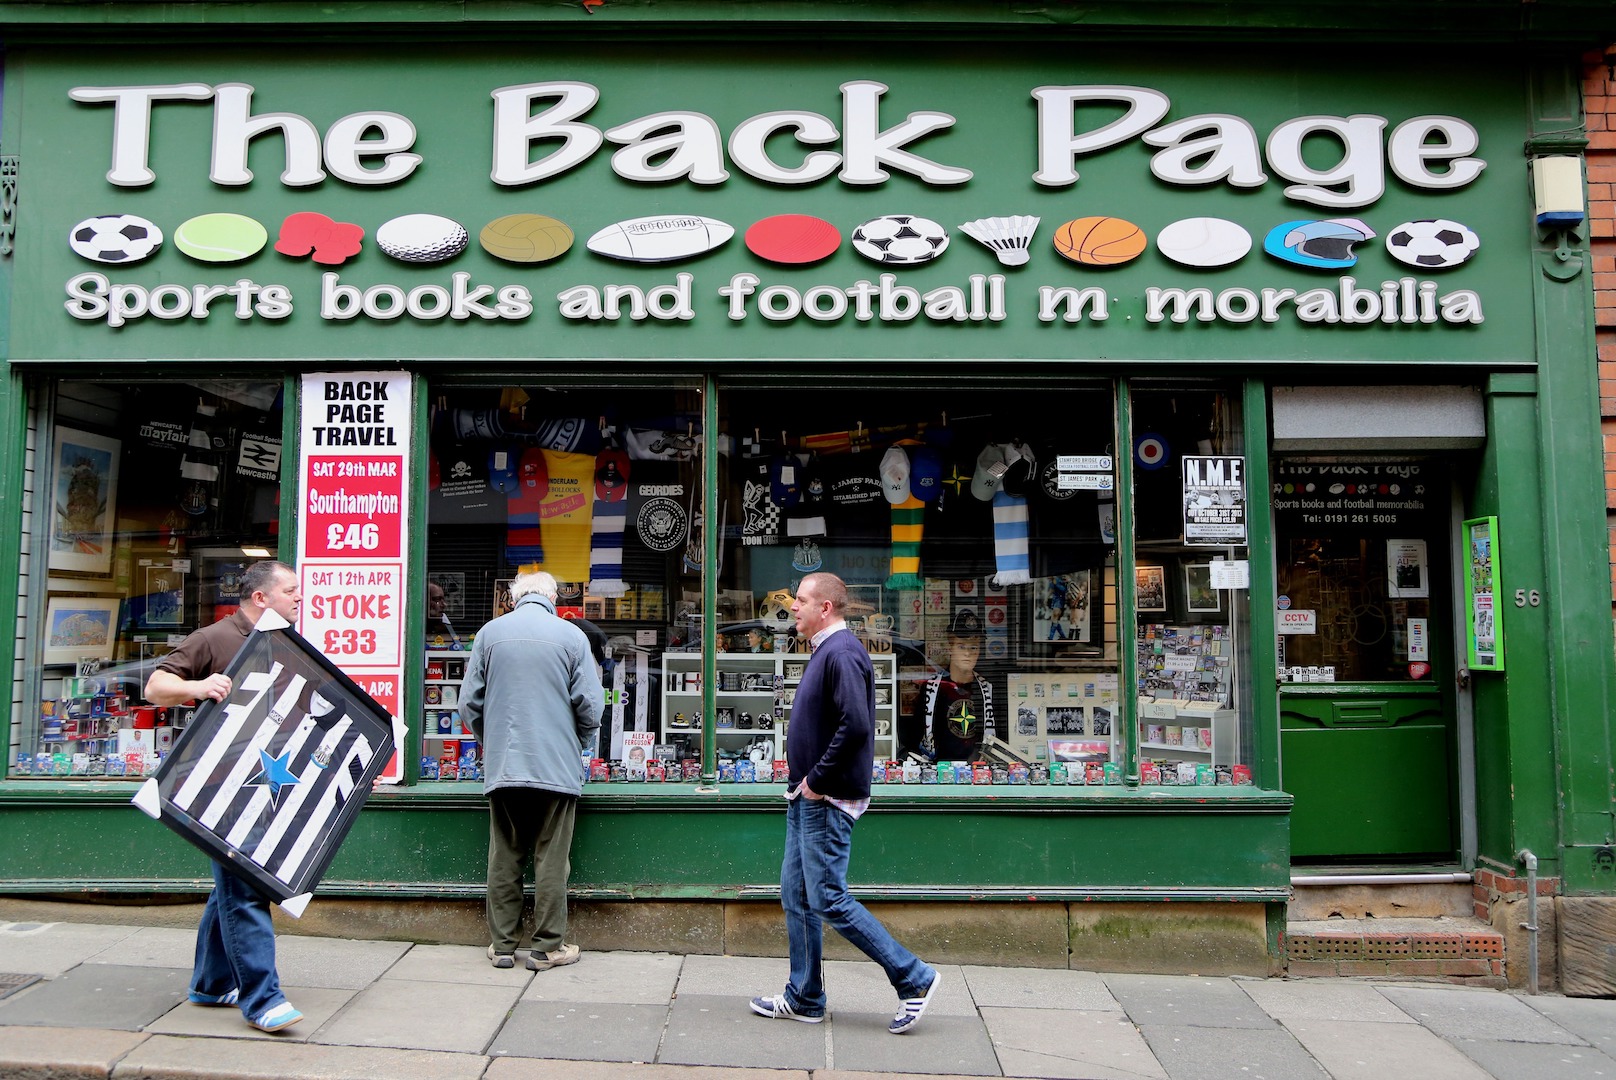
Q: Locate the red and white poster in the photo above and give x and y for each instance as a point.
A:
(354, 530)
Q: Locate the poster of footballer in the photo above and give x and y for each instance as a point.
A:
(269, 781)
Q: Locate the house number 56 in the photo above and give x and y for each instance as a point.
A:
(1525, 597)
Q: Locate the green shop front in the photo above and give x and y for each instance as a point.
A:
(1193, 437)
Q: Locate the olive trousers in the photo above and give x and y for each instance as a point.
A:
(528, 823)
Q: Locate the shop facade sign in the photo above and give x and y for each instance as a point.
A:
(1048, 218)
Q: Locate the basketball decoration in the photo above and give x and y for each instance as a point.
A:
(1100, 241)
(525, 238)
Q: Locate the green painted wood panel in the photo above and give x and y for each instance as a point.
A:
(1370, 772)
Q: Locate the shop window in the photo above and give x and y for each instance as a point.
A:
(601, 488)
(974, 530)
(1191, 520)
(1362, 552)
(148, 500)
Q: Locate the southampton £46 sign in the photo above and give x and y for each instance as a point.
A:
(355, 513)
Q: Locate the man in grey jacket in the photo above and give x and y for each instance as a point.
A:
(533, 698)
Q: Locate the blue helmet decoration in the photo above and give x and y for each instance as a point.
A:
(1324, 245)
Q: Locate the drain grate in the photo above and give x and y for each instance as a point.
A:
(10, 984)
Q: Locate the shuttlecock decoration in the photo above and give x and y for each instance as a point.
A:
(1007, 237)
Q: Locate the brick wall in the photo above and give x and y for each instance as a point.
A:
(1599, 95)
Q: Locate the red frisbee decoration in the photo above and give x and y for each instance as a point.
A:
(793, 239)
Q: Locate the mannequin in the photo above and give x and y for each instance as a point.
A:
(957, 708)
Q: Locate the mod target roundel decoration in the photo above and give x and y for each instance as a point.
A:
(1150, 451)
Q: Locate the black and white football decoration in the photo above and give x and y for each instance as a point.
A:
(115, 238)
(900, 240)
(1435, 244)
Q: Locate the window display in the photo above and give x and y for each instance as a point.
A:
(149, 501)
(1189, 512)
(600, 487)
(973, 529)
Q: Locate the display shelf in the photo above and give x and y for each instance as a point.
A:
(681, 690)
(1205, 751)
(445, 674)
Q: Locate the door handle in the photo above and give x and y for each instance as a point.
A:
(1463, 678)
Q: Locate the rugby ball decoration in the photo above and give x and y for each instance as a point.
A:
(661, 238)
(422, 238)
(900, 240)
(115, 238)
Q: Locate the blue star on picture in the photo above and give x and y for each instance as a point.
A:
(275, 774)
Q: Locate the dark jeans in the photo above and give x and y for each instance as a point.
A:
(525, 822)
(235, 946)
(813, 891)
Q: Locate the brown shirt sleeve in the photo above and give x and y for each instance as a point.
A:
(208, 650)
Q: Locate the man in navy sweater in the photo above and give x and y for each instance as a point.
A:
(830, 748)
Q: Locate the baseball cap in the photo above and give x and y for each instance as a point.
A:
(965, 623)
(925, 474)
(895, 475)
(1020, 472)
(990, 466)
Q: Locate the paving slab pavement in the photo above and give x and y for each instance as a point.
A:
(1357, 1050)
(1070, 1043)
(111, 1005)
(1593, 1019)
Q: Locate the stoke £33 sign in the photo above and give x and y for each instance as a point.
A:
(355, 529)
(269, 780)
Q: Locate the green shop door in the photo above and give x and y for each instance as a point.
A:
(1367, 717)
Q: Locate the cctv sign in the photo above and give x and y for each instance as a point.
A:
(1296, 622)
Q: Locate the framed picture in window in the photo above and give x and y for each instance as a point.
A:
(84, 501)
(1062, 615)
(80, 627)
(1199, 595)
(1150, 588)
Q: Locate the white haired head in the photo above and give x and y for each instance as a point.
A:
(538, 581)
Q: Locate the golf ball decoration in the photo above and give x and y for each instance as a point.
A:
(900, 240)
(526, 238)
(660, 238)
(1204, 242)
(115, 238)
(1434, 244)
(422, 238)
(220, 238)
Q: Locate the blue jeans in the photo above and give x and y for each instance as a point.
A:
(235, 946)
(813, 891)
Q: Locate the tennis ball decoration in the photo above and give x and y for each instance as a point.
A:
(1100, 241)
(525, 238)
(220, 238)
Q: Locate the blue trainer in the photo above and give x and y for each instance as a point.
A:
(276, 1018)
